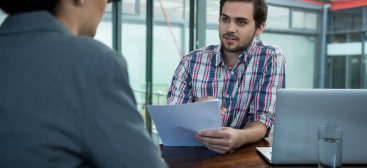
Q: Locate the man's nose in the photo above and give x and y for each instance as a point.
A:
(231, 27)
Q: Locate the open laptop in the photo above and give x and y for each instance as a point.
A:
(299, 112)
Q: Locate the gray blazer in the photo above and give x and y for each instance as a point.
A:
(65, 100)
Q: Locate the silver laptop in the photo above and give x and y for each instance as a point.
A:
(299, 112)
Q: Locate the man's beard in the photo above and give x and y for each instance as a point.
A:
(241, 47)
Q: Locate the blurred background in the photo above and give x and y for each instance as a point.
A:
(324, 41)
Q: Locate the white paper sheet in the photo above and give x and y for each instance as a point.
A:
(177, 125)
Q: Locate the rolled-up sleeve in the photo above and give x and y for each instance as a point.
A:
(262, 106)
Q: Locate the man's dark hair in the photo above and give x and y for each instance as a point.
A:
(260, 10)
(20, 6)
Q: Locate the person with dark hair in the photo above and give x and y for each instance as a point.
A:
(243, 73)
(65, 99)
(21, 6)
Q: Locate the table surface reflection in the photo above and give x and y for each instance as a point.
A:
(245, 156)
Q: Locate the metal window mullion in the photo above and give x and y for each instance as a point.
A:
(201, 23)
(363, 62)
(183, 39)
(317, 51)
(323, 47)
(149, 64)
(363, 56)
(183, 31)
(191, 25)
(347, 62)
(117, 25)
(331, 70)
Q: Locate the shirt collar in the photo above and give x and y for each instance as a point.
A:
(32, 21)
(244, 55)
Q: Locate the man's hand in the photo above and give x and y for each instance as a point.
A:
(220, 141)
(224, 140)
(222, 110)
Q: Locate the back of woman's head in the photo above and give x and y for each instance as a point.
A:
(20, 6)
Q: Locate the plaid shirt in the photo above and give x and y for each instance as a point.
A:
(247, 91)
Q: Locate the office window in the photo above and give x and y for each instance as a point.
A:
(212, 20)
(364, 58)
(2, 17)
(346, 19)
(299, 52)
(104, 29)
(134, 51)
(134, 48)
(339, 38)
(167, 47)
(104, 33)
(175, 9)
(346, 72)
(130, 7)
(166, 55)
(345, 54)
(212, 37)
(354, 76)
(339, 73)
(212, 11)
(278, 17)
(166, 58)
(304, 20)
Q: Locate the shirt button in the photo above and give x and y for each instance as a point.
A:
(232, 73)
(227, 96)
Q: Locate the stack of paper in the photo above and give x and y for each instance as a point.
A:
(177, 125)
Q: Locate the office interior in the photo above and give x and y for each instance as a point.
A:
(324, 47)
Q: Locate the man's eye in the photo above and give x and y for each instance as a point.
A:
(241, 22)
(224, 19)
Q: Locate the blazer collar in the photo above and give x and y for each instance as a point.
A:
(32, 21)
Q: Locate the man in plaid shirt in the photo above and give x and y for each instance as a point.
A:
(244, 74)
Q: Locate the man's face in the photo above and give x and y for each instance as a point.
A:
(237, 26)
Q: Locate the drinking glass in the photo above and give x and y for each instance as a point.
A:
(330, 146)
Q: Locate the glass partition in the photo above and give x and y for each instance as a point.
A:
(212, 37)
(2, 17)
(134, 51)
(104, 29)
(278, 17)
(345, 54)
(346, 19)
(212, 11)
(304, 20)
(134, 47)
(168, 46)
(364, 60)
(131, 7)
(299, 52)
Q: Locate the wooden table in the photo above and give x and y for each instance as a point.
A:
(245, 156)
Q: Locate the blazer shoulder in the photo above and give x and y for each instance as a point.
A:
(89, 45)
(87, 48)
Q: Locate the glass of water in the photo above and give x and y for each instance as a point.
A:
(330, 146)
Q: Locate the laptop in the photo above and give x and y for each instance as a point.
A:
(299, 112)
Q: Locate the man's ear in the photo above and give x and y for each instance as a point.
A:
(260, 29)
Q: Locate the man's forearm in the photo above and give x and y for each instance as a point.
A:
(252, 132)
